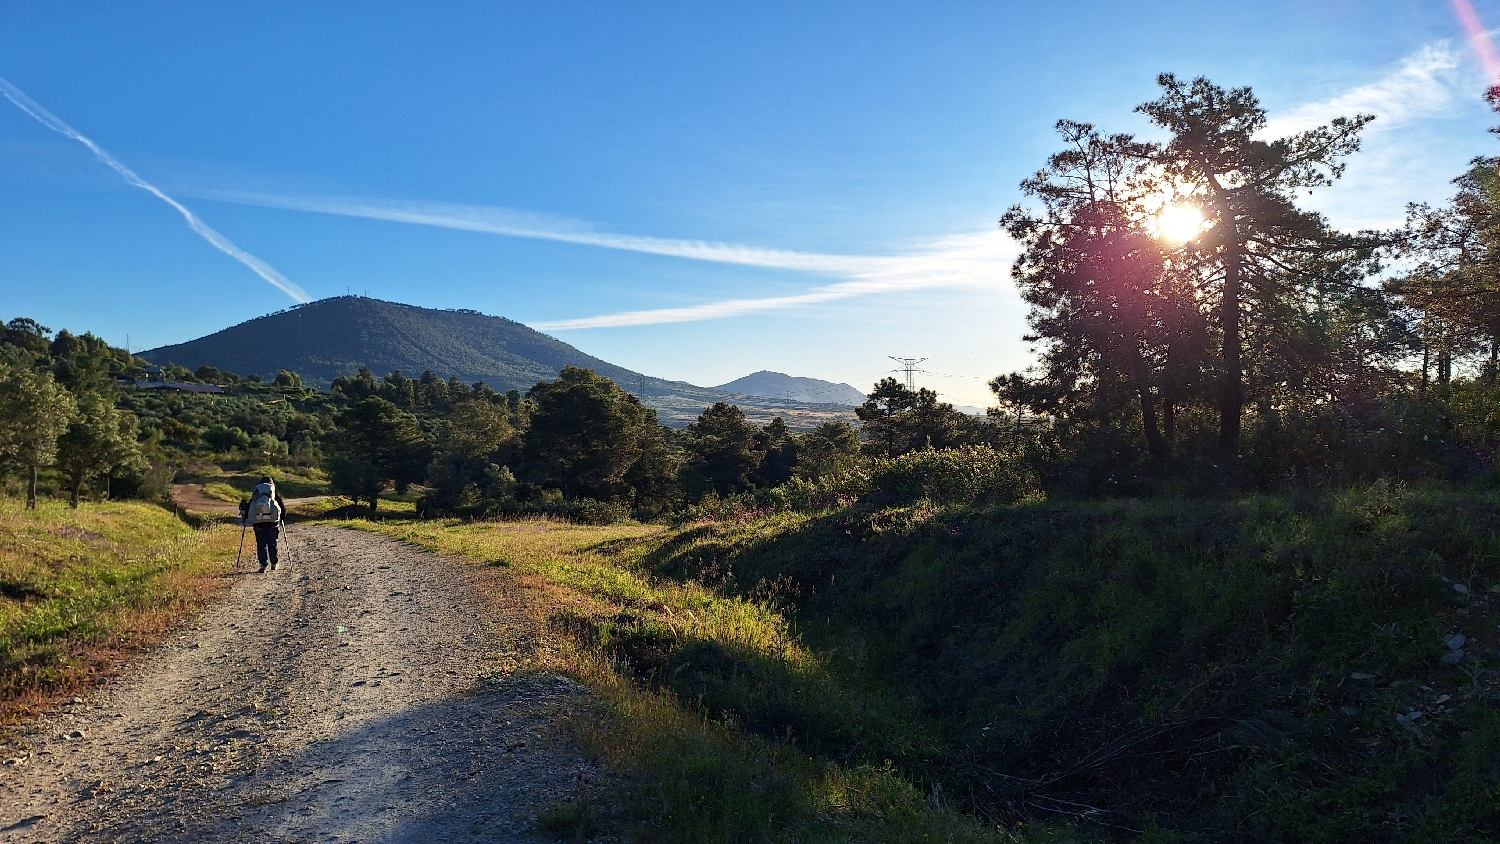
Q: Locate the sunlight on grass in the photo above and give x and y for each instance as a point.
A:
(109, 574)
(698, 776)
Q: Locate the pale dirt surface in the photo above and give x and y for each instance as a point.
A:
(358, 693)
(191, 496)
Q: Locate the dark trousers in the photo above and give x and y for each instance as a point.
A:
(265, 544)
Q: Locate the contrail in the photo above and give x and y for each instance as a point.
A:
(955, 261)
(218, 241)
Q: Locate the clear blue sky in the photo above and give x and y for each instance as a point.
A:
(565, 162)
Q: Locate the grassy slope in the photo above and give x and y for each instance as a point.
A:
(82, 588)
(1228, 669)
(1230, 666)
(698, 779)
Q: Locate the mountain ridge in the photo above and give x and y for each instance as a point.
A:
(324, 339)
(777, 385)
(327, 338)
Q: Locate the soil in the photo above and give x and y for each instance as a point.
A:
(191, 496)
(363, 691)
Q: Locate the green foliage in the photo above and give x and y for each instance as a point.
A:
(101, 440)
(1231, 667)
(897, 420)
(225, 437)
(75, 578)
(585, 435)
(377, 432)
(724, 451)
(34, 411)
(829, 448)
(356, 478)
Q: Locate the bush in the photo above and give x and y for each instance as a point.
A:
(948, 476)
(226, 438)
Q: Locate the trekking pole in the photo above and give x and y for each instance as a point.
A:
(238, 553)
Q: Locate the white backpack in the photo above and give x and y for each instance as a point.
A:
(263, 510)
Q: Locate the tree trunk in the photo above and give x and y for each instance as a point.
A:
(1232, 392)
(31, 488)
(77, 491)
(1445, 367)
(1426, 364)
(1154, 442)
(1168, 422)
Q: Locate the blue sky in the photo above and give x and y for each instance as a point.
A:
(692, 190)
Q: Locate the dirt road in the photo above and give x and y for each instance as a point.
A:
(355, 694)
(191, 496)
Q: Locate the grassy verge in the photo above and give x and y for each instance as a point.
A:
(1296, 668)
(697, 775)
(236, 486)
(82, 589)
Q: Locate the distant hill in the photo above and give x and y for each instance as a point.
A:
(331, 337)
(778, 385)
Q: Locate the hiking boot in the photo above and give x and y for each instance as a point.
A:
(273, 567)
(262, 570)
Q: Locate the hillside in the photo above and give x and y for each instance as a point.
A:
(331, 337)
(779, 385)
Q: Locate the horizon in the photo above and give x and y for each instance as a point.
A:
(293, 307)
(694, 194)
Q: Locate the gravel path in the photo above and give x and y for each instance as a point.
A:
(356, 694)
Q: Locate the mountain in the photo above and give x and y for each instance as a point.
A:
(331, 337)
(777, 385)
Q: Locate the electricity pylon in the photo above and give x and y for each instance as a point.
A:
(908, 366)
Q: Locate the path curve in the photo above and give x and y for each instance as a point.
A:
(192, 496)
(356, 694)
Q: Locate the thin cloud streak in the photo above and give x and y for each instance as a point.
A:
(955, 261)
(218, 241)
(1421, 86)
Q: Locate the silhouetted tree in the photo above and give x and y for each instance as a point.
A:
(1263, 257)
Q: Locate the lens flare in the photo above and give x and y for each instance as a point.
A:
(1179, 223)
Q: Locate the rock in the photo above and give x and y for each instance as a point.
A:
(1360, 675)
(1461, 588)
(1453, 657)
(1456, 641)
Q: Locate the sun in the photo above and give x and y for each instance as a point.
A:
(1179, 223)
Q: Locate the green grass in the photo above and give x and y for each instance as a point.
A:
(698, 775)
(78, 585)
(1229, 669)
(236, 486)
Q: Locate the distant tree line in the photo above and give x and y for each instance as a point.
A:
(74, 412)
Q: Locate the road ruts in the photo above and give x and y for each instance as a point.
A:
(352, 695)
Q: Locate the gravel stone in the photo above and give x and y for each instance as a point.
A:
(356, 694)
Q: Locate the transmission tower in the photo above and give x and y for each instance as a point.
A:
(909, 366)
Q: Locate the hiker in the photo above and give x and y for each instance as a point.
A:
(264, 512)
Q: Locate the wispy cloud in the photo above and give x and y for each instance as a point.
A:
(959, 260)
(218, 241)
(1422, 85)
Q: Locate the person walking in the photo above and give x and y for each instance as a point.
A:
(264, 512)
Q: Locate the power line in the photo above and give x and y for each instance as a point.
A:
(908, 366)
